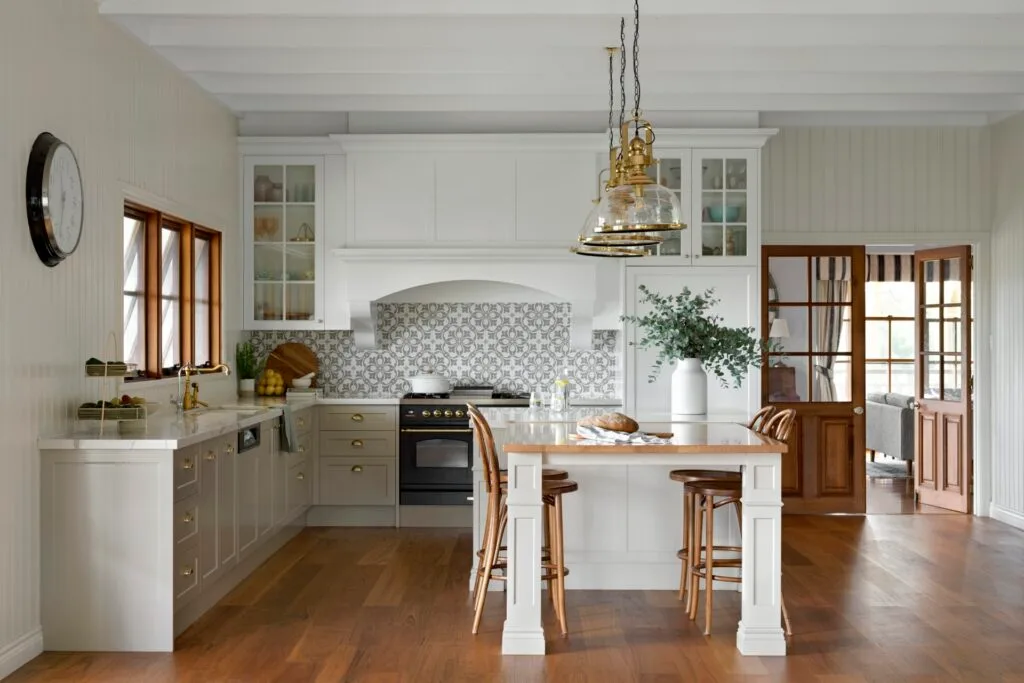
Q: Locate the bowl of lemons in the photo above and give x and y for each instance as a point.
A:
(270, 384)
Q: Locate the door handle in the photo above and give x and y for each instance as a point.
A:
(915, 404)
(858, 411)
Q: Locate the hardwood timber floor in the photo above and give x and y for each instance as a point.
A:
(876, 598)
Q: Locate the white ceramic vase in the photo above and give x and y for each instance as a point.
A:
(689, 388)
(246, 386)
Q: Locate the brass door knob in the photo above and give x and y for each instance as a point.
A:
(357, 418)
(357, 468)
(357, 443)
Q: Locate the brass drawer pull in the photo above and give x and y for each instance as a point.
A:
(210, 455)
(302, 449)
(302, 422)
(357, 418)
(300, 475)
(187, 571)
(187, 519)
(229, 449)
(357, 468)
(187, 464)
(357, 443)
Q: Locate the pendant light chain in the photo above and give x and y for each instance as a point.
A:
(611, 99)
(636, 61)
(622, 79)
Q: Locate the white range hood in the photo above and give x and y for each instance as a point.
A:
(360, 278)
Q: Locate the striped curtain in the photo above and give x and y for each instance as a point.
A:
(950, 270)
(833, 268)
(890, 268)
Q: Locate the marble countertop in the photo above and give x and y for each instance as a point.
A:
(692, 437)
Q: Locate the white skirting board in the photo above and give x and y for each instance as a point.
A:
(21, 652)
(446, 516)
(1010, 517)
(351, 515)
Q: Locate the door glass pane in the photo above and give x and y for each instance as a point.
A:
(787, 379)
(442, 453)
(952, 378)
(953, 329)
(790, 276)
(789, 331)
(932, 380)
(931, 290)
(876, 339)
(902, 339)
(831, 331)
(832, 378)
(876, 377)
(932, 338)
(951, 281)
(832, 279)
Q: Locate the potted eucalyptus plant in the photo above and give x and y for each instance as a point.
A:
(247, 367)
(690, 337)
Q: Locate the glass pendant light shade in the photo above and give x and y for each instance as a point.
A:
(640, 208)
(592, 234)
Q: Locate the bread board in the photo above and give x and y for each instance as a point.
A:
(294, 359)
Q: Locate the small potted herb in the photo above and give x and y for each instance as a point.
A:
(247, 366)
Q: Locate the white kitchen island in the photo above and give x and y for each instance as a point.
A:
(627, 513)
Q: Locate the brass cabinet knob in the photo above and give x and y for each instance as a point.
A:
(357, 418)
(302, 449)
(187, 464)
(210, 455)
(357, 468)
(448, 413)
(187, 519)
(302, 422)
(187, 571)
(357, 443)
(229, 449)
(300, 475)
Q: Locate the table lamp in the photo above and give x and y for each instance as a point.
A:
(779, 330)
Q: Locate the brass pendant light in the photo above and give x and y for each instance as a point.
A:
(591, 241)
(638, 203)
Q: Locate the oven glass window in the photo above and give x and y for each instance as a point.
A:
(442, 453)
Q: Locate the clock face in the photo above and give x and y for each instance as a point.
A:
(64, 198)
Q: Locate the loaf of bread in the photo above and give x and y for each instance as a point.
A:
(616, 422)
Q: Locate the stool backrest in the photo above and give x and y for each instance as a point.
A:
(760, 417)
(780, 425)
(488, 453)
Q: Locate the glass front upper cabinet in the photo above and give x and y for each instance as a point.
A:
(724, 215)
(284, 243)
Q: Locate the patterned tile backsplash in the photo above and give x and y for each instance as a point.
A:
(514, 346)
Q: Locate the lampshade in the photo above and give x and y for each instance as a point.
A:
(779, 329)
(591, 235)
(641, 208)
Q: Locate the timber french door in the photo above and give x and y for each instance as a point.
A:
(944, 430)
(813, 316)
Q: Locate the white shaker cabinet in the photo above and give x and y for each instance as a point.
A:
(217, 515)
(554, 193)
(736, 288)
(471, 185)
(390, 198)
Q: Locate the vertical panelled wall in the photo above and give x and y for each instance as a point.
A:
(846, 181)
(1008, 321)
(132, 120)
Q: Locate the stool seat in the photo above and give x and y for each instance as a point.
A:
(547, 473)
(718, 488)
(685, 476)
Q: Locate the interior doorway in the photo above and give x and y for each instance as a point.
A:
(889, 343)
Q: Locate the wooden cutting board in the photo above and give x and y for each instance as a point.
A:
(293, 359)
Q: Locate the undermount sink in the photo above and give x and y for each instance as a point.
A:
(241, 411)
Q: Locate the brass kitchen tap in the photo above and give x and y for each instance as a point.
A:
(189, 400)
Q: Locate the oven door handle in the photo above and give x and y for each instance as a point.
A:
(435, 431)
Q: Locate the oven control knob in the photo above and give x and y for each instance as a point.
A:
(448, 413)
(437, 413)
(426, 413)
(460, 413)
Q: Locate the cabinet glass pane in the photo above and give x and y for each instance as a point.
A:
(712, 207)
(736, 174)
(301, 223)
(268, 184)
(735, 207)
(301, 183)
(266, 224)
(268, 262)
(301, 299)
(736, 240)
(671, 173)
(268, 301)
(712, 239)
(712, 171)
(672, 244)
(300, 263)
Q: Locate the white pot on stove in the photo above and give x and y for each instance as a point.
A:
(429, 383)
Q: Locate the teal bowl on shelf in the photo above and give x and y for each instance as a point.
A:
(731, 213)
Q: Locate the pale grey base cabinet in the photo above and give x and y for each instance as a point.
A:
(137, 544)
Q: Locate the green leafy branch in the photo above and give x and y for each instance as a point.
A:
(683, 326)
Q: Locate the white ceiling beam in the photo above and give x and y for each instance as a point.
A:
(525, 33)
(327, 8)
(591, 60)
(724, 102)
(595, 88)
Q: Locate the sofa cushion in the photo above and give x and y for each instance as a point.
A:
(900, 400)
(876, 398)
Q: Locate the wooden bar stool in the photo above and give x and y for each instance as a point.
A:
(489, 557)
(760, 417)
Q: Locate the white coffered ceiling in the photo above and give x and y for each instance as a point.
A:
(542, 63)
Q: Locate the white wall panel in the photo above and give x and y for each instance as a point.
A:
(846, 180)
(132, 120)
(1008, 318)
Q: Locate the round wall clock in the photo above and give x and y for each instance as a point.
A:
(53, 199)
